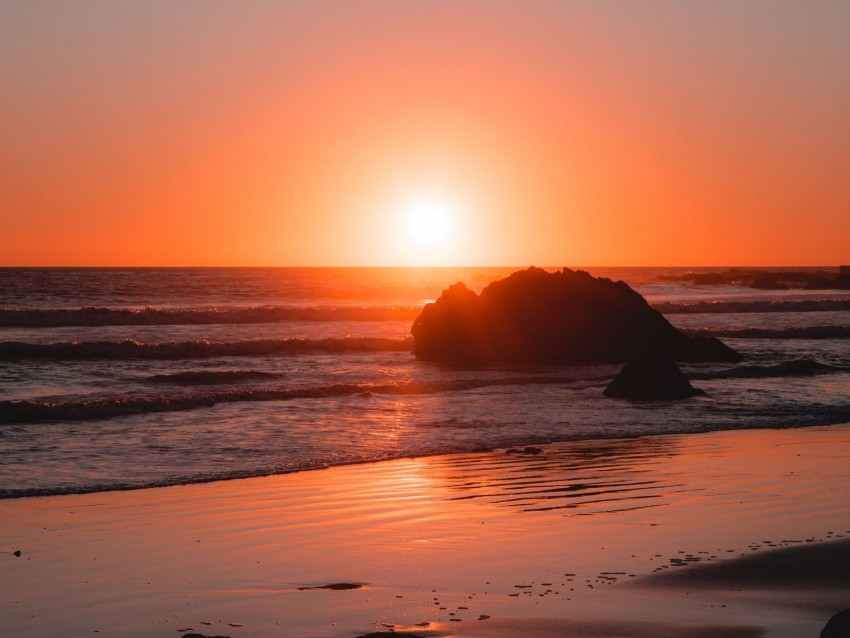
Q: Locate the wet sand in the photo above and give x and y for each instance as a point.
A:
(724, 534)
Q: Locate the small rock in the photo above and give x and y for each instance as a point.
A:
(651, 377)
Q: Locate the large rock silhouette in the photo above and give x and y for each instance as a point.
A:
(569, 316)
(838, 626)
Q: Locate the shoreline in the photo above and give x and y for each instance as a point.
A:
(581, 536)
(205, 480)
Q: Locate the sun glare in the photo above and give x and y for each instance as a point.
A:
(428, 221)
(427, 228)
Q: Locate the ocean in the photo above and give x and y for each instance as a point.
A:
(122, 378)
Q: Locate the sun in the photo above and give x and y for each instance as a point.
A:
(428, 221)
(427, 228)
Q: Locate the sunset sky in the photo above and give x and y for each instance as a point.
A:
(324, 133)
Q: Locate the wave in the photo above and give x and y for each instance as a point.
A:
(102, 316)
(132, 349)
(28, 411)
(621, 444)
(210, 377)
(795, 368)
(150, 316)
(730, 307)
(811, 332)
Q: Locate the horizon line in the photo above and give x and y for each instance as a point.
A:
(411, 267)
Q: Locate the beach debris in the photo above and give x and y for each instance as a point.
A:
(530, 451)
(17, 552)
(201, 636)
(333, 586)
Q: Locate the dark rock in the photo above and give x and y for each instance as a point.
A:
(651, 378)
(17, 552)
(768, 283)
(770, 280)
(709, 279)
(569, 316)
(827, 281)
(838, 626)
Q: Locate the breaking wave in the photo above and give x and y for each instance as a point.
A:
(811, 332)
(101, 316)
(727, 307)
(795, 368)
(132, 349)
(211, 377)
(100, 408)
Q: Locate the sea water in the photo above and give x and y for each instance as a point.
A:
(124, 378)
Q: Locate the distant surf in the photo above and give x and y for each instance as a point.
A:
(152, 316)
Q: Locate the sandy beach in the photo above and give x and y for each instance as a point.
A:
(743, 533)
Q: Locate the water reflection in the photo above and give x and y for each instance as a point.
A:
(579, 477)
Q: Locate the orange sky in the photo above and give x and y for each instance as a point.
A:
(304, 133)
